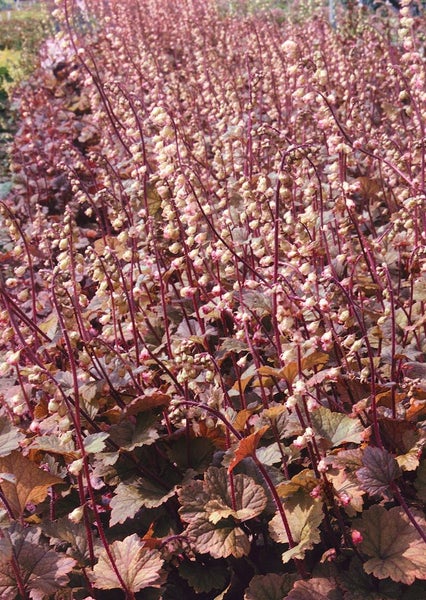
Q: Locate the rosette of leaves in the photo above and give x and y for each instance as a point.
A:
(215, 509)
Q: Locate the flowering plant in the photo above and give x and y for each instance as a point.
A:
(213, 308)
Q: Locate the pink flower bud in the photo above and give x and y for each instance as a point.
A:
(356, 537)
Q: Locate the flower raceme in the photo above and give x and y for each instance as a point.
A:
(212, 306)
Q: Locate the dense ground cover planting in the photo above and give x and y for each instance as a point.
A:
(213, 308)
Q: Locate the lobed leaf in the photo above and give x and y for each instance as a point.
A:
(130, 497)
(139, 566)
(269, 587)
(55, 444)
(393, 543)
(219, 540)
(304, 515)
(95, 442)
(130, 435)
(43, 571)
(336, 428)
(204, 575)
(29, 484)
(379, 471)
(195, 454)
(317, 588)
(74, 534)
(10, 436)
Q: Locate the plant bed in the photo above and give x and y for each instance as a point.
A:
(213, 330)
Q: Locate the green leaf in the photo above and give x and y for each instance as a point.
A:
(95, 442)
(139, 566)
(336, 428)
(379, 471)
(43, 571)
(304, 515)
(393, 543)
(129, 497)
(269, 587)
(204, 575)
(10, 436)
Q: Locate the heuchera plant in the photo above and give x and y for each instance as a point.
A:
(213, 307)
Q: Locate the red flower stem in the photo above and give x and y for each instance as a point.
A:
(299, 564)
(19, 581)
(75, 415)
(354, 311)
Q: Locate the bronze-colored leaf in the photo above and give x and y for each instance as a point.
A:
(247, 447)
(28, 483)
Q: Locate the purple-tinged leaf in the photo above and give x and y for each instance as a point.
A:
(212, 498)
(56, 444)
(379, 471)
(130, 435)
(193, 499)
(347, 491)
(350, 460)
(43, 571)
(74, 534)
(195, 454)
(317, 588)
